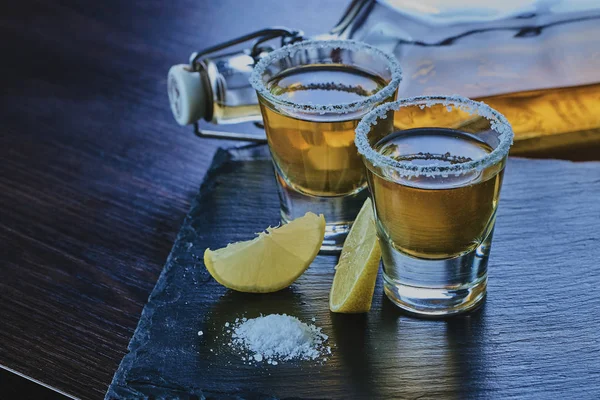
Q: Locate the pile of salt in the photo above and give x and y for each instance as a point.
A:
(278, 337)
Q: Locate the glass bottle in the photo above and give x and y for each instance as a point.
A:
(536, 61)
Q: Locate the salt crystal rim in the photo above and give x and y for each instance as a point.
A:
(342, 108)
(498, 123)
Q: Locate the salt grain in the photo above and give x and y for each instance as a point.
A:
(278, 337)
(200, 333)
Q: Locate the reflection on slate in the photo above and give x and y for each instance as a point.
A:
(537, 335)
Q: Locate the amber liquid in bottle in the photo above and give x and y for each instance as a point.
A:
(549, 121)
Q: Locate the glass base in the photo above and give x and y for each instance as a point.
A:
(435, 302)
(436, 288)
(339, 211)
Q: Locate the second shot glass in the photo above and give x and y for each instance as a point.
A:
(435, 167)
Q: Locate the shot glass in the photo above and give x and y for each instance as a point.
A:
(435, 167)
(312, 95)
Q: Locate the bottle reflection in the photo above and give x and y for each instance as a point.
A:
(433, 358)
(395, 356)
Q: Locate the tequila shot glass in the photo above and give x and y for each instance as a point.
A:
(312, 96)
(435, 167)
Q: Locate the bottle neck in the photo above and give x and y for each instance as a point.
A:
(231, 97)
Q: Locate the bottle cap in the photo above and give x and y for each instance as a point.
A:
(187, 94)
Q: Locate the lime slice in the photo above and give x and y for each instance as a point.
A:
(270, 262)
(356, 272)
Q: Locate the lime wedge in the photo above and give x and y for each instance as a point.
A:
(356, 272)
(270, 262)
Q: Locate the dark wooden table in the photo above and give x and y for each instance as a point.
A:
(95, 175)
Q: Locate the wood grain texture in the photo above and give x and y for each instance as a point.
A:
(95, 175)
(536, 337)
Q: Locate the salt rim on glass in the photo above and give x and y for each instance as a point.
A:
(498, 123)
(393, 66)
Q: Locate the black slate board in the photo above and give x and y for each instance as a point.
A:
(537, 336)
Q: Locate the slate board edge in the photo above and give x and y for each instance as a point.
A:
(118, 388)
